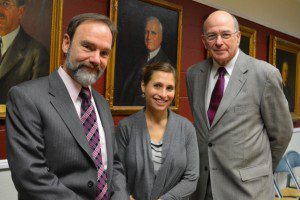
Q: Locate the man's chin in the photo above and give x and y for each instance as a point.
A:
(85, 82)
(86, 78)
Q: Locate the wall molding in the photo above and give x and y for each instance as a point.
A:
(4, 164)
(276, 20)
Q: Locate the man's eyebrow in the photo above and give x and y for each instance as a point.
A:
(86, 42)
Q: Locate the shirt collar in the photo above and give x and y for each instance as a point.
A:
(152, 54)
(72, 86)
(229, 67)
(8, 39)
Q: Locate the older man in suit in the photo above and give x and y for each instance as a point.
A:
(60, 132)
(241, 116)
(22, 58)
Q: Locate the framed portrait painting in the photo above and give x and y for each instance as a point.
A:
(285, 55)
(29, 49)
(149, 31)
(248, 41)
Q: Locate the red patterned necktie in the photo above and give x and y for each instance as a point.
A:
(216, 95)
(90, 126)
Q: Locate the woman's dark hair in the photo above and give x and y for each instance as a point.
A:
(149, 70)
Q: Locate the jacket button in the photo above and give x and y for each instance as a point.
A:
(90, 184)
(210, 144)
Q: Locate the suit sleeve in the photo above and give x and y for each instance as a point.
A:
(189, 85)
(122, 143)
(276, 116)
(119, 180)
(119, 191)
(40, 65)
(25, 151)
(188, 182)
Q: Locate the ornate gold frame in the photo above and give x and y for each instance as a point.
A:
(109, 90)
(251, 34)
(55, 52)
(278, 43)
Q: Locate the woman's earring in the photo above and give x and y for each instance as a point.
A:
(143, 95)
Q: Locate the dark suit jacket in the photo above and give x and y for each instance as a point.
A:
(47, 149)
(250, 132)
(177, 176)
(24, 60)
(131, 93)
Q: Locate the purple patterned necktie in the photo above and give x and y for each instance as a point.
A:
(216, 95)
(90, 126)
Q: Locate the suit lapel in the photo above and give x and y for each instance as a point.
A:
(202, 81)
(61, 101)
(14, 54)
(236, 82)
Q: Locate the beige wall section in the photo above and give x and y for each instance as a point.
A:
(281, 15)
(7, 189)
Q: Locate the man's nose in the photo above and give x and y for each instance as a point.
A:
(219, 40)
(95, 58)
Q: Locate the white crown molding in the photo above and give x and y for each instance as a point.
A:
(296, 130)
(280, 26)
(3, 164)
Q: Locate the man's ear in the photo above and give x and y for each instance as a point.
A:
(239, 35)
(143, 86)
(66, 43)
(204, 42)
(21, 11)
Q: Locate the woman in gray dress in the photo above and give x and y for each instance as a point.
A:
(157, 147)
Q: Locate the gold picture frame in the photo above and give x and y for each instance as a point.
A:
(285, 55)
(131, 38)
(248, 41)
(55, 40)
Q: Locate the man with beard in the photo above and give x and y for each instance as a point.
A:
(22, 58)
(60, 132)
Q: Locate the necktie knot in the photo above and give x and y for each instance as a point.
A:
(85, 93)
(222, 71)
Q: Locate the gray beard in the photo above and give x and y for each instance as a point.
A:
(81, 75)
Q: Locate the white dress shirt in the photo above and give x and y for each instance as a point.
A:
(8, 39)
(152, 54)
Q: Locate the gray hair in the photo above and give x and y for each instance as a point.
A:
(78, 19)
(235, 23)
(152, 18)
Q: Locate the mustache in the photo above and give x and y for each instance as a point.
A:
(89, 65)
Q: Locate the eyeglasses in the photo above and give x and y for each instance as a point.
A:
(213, 37)
(6, 4)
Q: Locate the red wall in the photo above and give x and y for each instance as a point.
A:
(192, 47)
